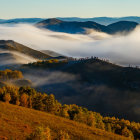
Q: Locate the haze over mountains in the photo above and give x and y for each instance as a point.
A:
(94, 43)
(102, 83)
(20, 20)
(50, 54)
(91, 79)
(68, 75)
(13, 53)
(94, 83)
(99, 20)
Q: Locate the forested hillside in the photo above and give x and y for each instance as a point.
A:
(96, 84)
(30, 98)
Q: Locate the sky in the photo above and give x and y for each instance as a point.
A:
(68, 8)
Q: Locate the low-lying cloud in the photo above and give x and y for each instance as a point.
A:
(118, 48)
(13, 57)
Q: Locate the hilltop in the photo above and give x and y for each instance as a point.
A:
(74, 27)
(121, 26)
(10, 45)
(71, 27)
(13, 54)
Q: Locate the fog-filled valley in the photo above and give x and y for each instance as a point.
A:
(119, 48)
(93, 69)
(67, 84)
(69, 70)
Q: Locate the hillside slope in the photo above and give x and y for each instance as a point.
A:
(10, 45)
(51, 53)
(71, 27)
(110, 89)
(125, 26)
(18, 122)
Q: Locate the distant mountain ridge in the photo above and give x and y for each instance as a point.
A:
(99, 20)
(20, 20)
(75, 27)
(102, 20)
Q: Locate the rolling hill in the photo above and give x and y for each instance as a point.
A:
(74, 27)
(71, 27)
(122, 26)
(109, 89)
(18, 122)
(51, 53)
(10, 45)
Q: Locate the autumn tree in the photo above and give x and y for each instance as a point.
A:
(64, 111)
(50, 103)
(108, 127)
(37, 102)
(7, 98)
(38, 134)
(30, 102)
(73, 110)
(127, 133)
(63, 136)
(17, 101)
(91, 119)
(47, 134)
(24, 100)
(99, 121)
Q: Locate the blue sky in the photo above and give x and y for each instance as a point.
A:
(68, 8)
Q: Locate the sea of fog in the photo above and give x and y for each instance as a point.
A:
(120, 49)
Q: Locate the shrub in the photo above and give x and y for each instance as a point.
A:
(40, 134)
(63, 136)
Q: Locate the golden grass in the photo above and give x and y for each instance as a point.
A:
(18, 122)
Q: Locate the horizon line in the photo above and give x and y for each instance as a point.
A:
(66, 17)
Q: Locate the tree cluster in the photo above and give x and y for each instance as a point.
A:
(10, 75)
(52, 63)
(41, 133)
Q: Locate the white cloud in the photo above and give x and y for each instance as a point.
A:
(118, 48)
